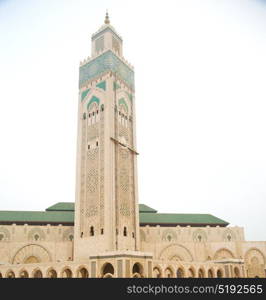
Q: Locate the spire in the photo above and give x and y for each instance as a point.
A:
(107, 21)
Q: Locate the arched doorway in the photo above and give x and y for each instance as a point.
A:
(180, 273)
(168, 273)
(157, 273)
(10, 274)
(210, 273)
(24, 274)
(37, 274)
(201, 273)
(137, 270)
(107, 270)
(67, 273)
(191, 273)
(52, 273)
(83, 273)
(219, 273)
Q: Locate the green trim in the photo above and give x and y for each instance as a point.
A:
(93, 99)
(122, 101)
(84, 94)
(102, 85)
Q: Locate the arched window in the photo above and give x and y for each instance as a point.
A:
(36, 237)
(92, 231)
(125, 231)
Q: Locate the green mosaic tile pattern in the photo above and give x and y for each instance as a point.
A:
(102, 85)
(108, 61)
(93, 99)
(122, 101)
(84, 94)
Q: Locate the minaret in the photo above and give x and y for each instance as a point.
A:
(106, 207)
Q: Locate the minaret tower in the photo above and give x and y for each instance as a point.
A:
(106, 207)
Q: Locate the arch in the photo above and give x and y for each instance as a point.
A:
(199, 235)
(223, 253)
(107, 268)
(229, 235)
(36, 234)
(23, 274)
(137, 268)
(37, 273)
(169, 235)
(201, 273)
(4, 234)
(168, 272)
(191, 273)
(33, 250)
(157, 272)
(176, 252)
(219, 273)
(68, 234)
(122, 101)
(93, 100)
(51, 273)
(211, 273)
(31, 260)
(108, 275)
(255, 261)
(66, 273)
(1, 276)
(10, 274)
(254, 252)
(180, 272)
(82, 272)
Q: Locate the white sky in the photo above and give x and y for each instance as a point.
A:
(200, 71)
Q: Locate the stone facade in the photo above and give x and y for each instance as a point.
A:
(107, 239)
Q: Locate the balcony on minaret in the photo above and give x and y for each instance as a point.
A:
(106, 38)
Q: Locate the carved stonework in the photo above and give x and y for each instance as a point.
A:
(31, 253)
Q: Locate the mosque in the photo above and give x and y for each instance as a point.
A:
(106, 232)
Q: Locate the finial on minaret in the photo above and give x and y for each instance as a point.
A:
(107, 21)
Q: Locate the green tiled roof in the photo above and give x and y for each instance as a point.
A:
(37, 217)
(62, 206)
(185, 219)
(63, 213)
(146, 209)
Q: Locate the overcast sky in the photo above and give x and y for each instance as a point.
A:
(200, 71)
